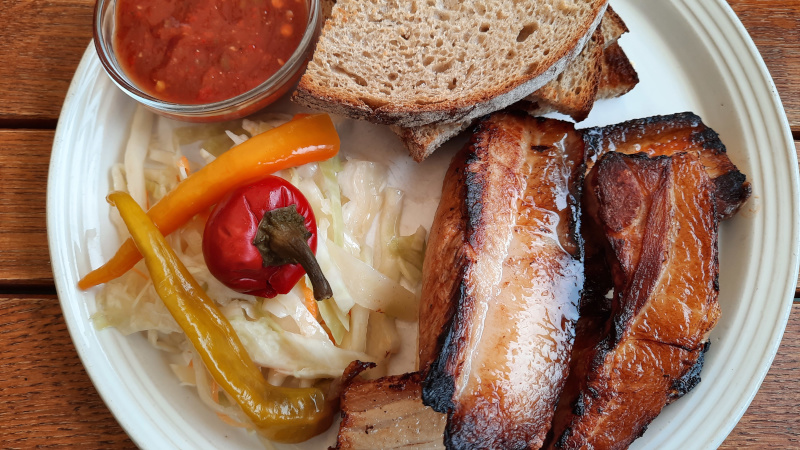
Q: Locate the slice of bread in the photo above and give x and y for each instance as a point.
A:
(574, 90)
(416, 62)
(612, 27)
(618, 76)
(423, 140)
(605, 75)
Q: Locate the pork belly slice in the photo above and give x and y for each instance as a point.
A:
(501, 282)
(658, 218)
(387, 413)
(668, 135)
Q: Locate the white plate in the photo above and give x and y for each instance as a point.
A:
(690, 54)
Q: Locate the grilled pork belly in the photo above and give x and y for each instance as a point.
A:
(667, 135)
(658, 218)
(388, 413)
(494, 176)
(501, 282)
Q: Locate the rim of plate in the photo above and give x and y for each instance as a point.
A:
(720, 29)
(717, 26)
(123, 406)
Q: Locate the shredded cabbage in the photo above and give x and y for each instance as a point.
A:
(290, 353)
(388, 225)
(372, 289)
(330, 187)
(373, 271)
(362, 183)
(383, 340)
(291, 306)
(135, 151)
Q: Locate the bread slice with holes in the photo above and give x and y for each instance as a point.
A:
(612, 27)
(601, 71)
(618, 76)
(574, 90)
(414, 62)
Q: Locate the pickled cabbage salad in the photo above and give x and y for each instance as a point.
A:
(375, 273)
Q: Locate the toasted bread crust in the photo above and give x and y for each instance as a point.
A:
(617, 77)
(574, 91)
(406, 112)
(612, 27)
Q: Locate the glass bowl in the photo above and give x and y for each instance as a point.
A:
(232, 108)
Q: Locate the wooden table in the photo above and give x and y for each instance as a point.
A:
(46, 397)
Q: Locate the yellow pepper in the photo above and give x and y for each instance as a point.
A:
(305, 139)
(281, 414)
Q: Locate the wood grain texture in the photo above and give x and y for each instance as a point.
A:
(47, 397)
(797, 149)
(772, 420)
(45, 40)
(49, 400)
(775, 28)
(24, 159)
(42, 43)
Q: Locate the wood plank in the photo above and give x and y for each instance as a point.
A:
(46, 40)
(775, 29)
(797, 288)
(24, 160)
(47, 397)
(43, 42)
(24, 157)
(772, 420)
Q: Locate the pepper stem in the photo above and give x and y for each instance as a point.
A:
(282, 238)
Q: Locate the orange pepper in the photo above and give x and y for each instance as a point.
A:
(300, 141)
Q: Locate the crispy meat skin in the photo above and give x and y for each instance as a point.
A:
(667, 135)
(444, 263)
(501, 282)
(658, 217)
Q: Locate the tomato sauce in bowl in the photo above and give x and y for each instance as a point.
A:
(204, 51)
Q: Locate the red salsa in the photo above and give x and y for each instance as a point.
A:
(200, 51)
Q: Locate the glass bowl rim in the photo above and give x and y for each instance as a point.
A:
(104, 49)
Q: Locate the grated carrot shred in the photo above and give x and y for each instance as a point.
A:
(224, 417)
(140, 273)
(230, 421)
(308, 299)
(183, 166)
(311, 304)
